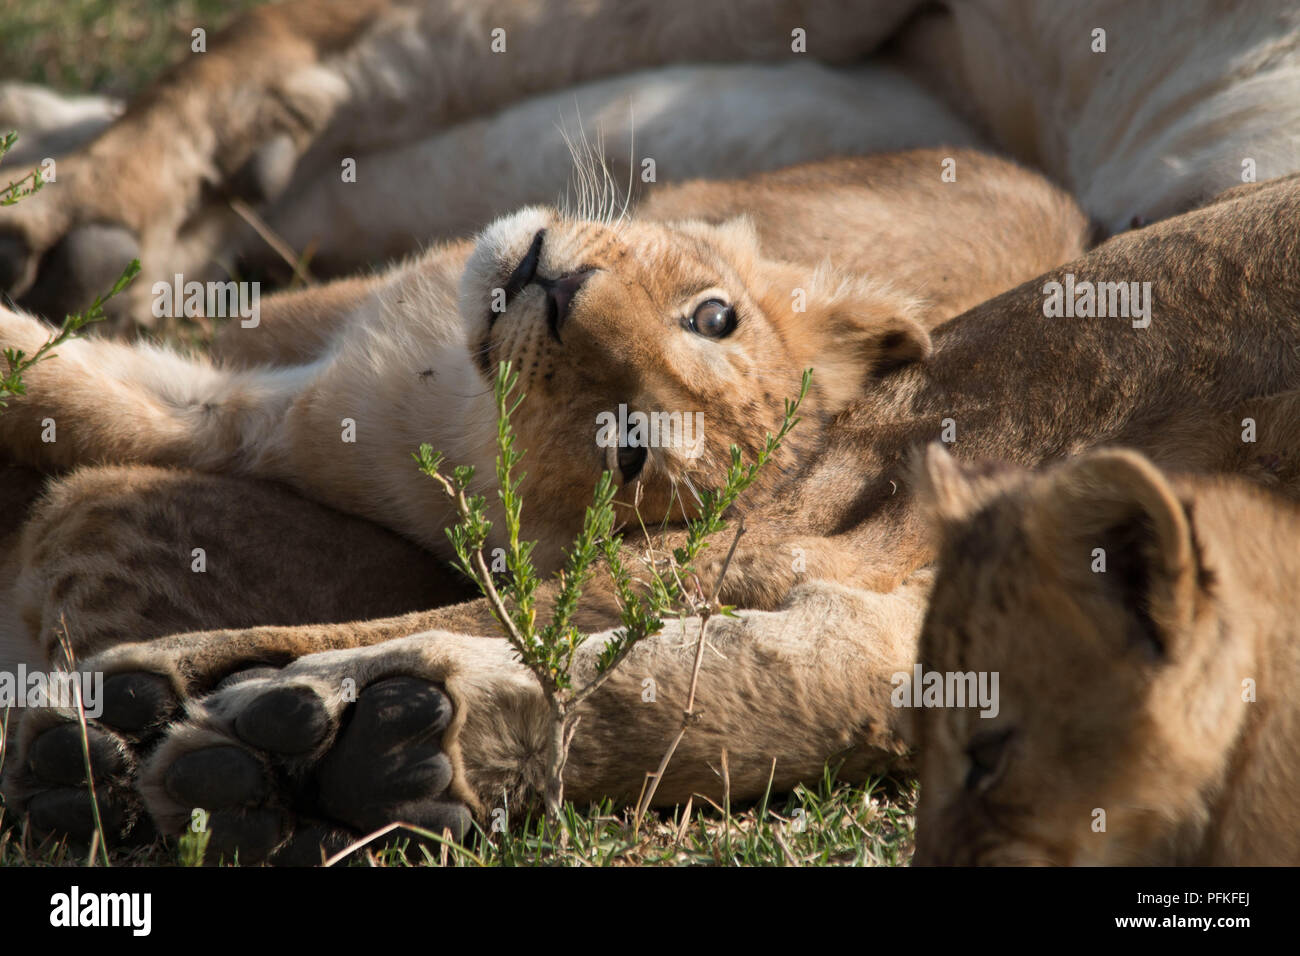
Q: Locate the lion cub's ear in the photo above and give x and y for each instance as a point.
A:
(1112, 525)
(944, 492)
(850, 331)
(950, 492)
(873, 324)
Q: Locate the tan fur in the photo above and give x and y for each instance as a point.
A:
(886, 207)
(1013, 384)
(415, 352)
(1161, 690)
(19, 489)
(108, 554)
(851, 507)
(1169, 115)
(132, 580)
(299, 325)
(802, 701)
(1224, 336)
(313, 81)
(268, 59)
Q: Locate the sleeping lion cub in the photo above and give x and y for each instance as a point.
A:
(1145, 632)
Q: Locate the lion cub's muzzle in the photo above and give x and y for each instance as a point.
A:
(560, 291)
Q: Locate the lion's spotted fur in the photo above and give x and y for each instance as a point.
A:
(399, 358)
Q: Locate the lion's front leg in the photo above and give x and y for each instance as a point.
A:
(783, 692)
(231, 120)
(223, 693)
(95, 400)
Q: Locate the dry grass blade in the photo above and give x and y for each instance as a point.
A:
(273, 239)
(686, 821)
(65, 644)
(366, 840)
(785, 847)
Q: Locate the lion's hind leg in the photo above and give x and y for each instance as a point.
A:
(116, 555)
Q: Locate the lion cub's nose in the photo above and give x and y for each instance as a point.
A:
(559, 297)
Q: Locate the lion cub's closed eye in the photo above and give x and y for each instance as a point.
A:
(1144, 632)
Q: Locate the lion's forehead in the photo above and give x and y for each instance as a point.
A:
(667, 263)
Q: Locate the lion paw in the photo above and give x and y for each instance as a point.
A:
(49, 776)
(283, 767)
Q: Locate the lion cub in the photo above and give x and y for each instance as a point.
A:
(1146, 631)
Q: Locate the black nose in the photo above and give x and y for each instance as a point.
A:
(526, 271)
(559, 297)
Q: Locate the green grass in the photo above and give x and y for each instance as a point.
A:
(102, 46)
(832, 824)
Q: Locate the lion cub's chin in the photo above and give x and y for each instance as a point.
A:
(1143, 630)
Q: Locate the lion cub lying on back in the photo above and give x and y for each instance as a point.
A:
(688, 312)
(1147, 635)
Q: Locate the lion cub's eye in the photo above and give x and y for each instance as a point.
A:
(713, 319)
(988, 755)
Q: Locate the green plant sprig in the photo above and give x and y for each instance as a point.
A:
(549, 651)
(15, 191)
(18, 362)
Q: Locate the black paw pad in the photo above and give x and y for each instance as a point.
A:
(401, 708)
(433, 814)
(359, 788)
(212, 777)
(390, 753)
(311, 845)
(68, 811)
(246, 835)
(137, 701)
(58, 756)
(286, 720)
(440, 815)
